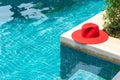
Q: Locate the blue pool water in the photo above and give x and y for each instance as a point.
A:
(30, 35)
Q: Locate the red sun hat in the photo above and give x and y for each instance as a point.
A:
(89, 34)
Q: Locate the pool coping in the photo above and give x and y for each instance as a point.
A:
(109, 50)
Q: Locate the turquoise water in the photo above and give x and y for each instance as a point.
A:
(30, 35)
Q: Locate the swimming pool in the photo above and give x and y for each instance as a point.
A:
(30, 35)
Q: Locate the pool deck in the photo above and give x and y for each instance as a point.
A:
(109, 50)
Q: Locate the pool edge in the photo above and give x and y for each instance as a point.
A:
(108, 50)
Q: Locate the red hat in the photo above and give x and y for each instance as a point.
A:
(89, 34)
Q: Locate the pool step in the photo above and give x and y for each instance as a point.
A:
(85, 75)
(117, 76)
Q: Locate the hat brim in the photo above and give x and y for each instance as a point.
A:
(76, 36)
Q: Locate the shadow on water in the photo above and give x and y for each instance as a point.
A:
(39, 4)
(52, 5)
(31, 9)
(73, 60)
(28, 10)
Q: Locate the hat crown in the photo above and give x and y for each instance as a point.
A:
(90, 30)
